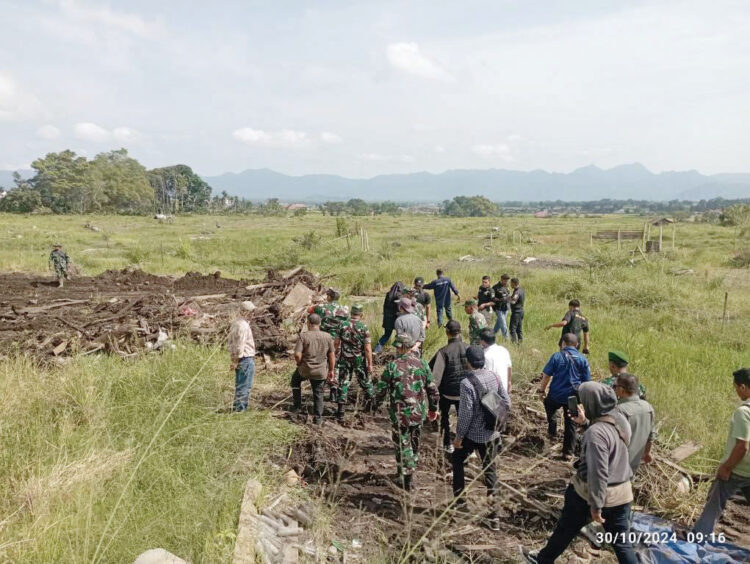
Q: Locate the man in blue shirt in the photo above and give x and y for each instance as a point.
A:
(566, 369)
(443, 288)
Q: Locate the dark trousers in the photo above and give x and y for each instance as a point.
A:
(318, 391)
(516, 326)
(721, 491)
(445, 422)
(487, 453)
(448, 312)
(387, 331)
(569, 437)
(576, 513)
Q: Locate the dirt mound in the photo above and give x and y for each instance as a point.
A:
(128, 311)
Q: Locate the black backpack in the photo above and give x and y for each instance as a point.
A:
(494, 409)
(390, 304)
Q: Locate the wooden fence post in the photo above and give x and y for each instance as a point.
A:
(619, 240)
(724, 314)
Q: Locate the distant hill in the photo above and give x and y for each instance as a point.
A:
(6, 178)
(631, 181)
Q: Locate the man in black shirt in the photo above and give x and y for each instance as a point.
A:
(485, 299)
(449, 368)
(574, 322)
(502, 295)
(422, 297)
(516, 301)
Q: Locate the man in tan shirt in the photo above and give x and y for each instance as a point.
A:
(241, 346)
(315, 356)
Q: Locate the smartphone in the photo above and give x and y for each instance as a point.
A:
(573, 405)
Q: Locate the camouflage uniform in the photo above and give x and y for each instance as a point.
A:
(477, 322)
(353, 336)
(60, 260)
(332, 315)
(411, 389)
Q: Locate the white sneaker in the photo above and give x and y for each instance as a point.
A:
(530, 556)
(450, 449)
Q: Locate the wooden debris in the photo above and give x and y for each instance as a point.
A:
(684, 451)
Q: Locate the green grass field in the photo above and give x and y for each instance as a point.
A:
(98, 466)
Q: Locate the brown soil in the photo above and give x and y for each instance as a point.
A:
(123, 311)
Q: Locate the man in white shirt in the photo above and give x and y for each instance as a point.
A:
(241, 346)
(496, 358)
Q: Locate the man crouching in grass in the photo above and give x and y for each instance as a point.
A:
(241, 347)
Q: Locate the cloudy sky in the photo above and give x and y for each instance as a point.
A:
(365, 88)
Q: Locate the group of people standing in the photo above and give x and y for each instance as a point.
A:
(608, 425)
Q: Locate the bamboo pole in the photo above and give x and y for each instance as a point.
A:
(619, 240)
(724, 314)
(661, 236)
(674, 234)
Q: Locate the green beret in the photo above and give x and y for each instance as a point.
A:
(357, 309)
(618, 356)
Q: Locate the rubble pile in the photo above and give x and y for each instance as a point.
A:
(127, 312)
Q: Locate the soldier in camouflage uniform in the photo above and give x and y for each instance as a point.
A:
(413, 399)
(332, 315)
(477, 321)
(60, 260)
(355, 358)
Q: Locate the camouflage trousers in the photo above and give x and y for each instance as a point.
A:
(346, 371)
(406, 441)
(60, 271)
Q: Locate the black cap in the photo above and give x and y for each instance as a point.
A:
(475, 356)
(453, 327)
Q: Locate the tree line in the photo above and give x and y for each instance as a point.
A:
(111, 182)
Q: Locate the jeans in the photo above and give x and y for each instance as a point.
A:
(718, 496)
(575, 514)
(444, 405)
(501, 324)
(516, 326)
(487, 452)
(551, 407)
(243, 382)
(387, 331)
(318, 392)
(448, 312)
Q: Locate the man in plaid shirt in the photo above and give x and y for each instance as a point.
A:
(473, 434)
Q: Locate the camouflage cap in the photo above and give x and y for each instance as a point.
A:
(357, 309)
(410, 291)
(618, 356)
(468, 303)
(403, 340)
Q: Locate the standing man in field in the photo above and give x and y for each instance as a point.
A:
(574, 322)
(640, 416)
(241, 346)
(419, 309)
(449, 367)
(413, 399)
(733, 474)
(564, 372)
(618, 364)
(501, 298)
(443, 286)
(486, 299)
(408, 323)
(60, 261)
(497, 359)
(355, 358)
(422, 298)
(390, 313)
(477, 321)
(315, 356)
(516, 301)
(332, 315)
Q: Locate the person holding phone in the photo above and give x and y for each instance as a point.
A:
(565, 371)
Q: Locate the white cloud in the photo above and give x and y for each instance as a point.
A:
(439, 149)
(377, 157)
(407, 57)
(499, 150)
(48, 132)
(283, 138)
(332, 138)
(106, 17)
(15, 103)
(94, 133)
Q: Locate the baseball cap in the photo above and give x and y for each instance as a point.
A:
(357, 309)
(468, 303)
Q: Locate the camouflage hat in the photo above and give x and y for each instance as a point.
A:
(403, 340)
(57, 246)
(357, 309)
(468, 303)
(335, 294)
(618, 356)
(410, 291)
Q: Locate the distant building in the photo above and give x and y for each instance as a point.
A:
(543, 213)
(3, 193)
(292, 207)
(662, 221)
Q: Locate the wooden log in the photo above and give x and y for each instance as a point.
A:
(684, 451)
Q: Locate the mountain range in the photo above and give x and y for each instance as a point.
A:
(631, 181)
